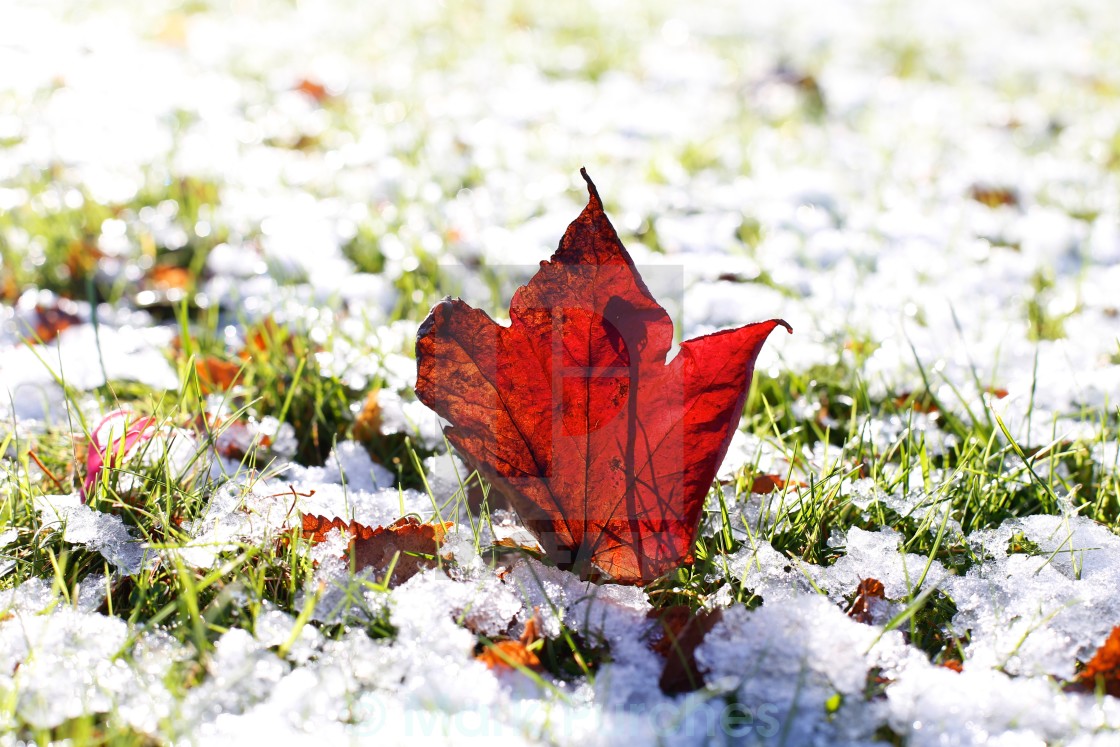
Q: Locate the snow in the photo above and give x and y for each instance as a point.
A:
(83, 646)
(782, 662)
(102, 532)
(131, 354)
(411, 417)
(349, 465)
(1035, 613)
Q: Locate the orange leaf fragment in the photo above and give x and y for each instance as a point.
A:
(1104, 667)
(514, 654)
(509, 655)
(413, 543)
(167, 277)
(215, 374)
(867, 592)
(316, 528)
(267, 338)
(313, 89)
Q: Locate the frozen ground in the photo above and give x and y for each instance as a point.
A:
(929, 193)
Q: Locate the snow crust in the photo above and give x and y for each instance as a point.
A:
(784, 664)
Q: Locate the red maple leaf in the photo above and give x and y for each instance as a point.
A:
(605, 450)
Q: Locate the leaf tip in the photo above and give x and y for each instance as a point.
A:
(785, 324)
(591, 190)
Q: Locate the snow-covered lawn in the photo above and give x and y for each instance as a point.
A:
(929, 193)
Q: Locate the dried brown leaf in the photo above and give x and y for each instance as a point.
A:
(679, 632)
(413, 543)
(867, 592)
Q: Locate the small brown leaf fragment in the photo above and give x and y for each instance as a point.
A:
(9, 289)
(532, 633)
(514, 654)
(917, 402)
(678, 633)
(367, 425)
(415, 544)
(516, 538)
(867, 592)
(1103, 668)
(765, 484)
(994, 196)
(955, 664)
(81, 258)
(50, 321)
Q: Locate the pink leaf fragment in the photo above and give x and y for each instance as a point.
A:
(105, 448)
